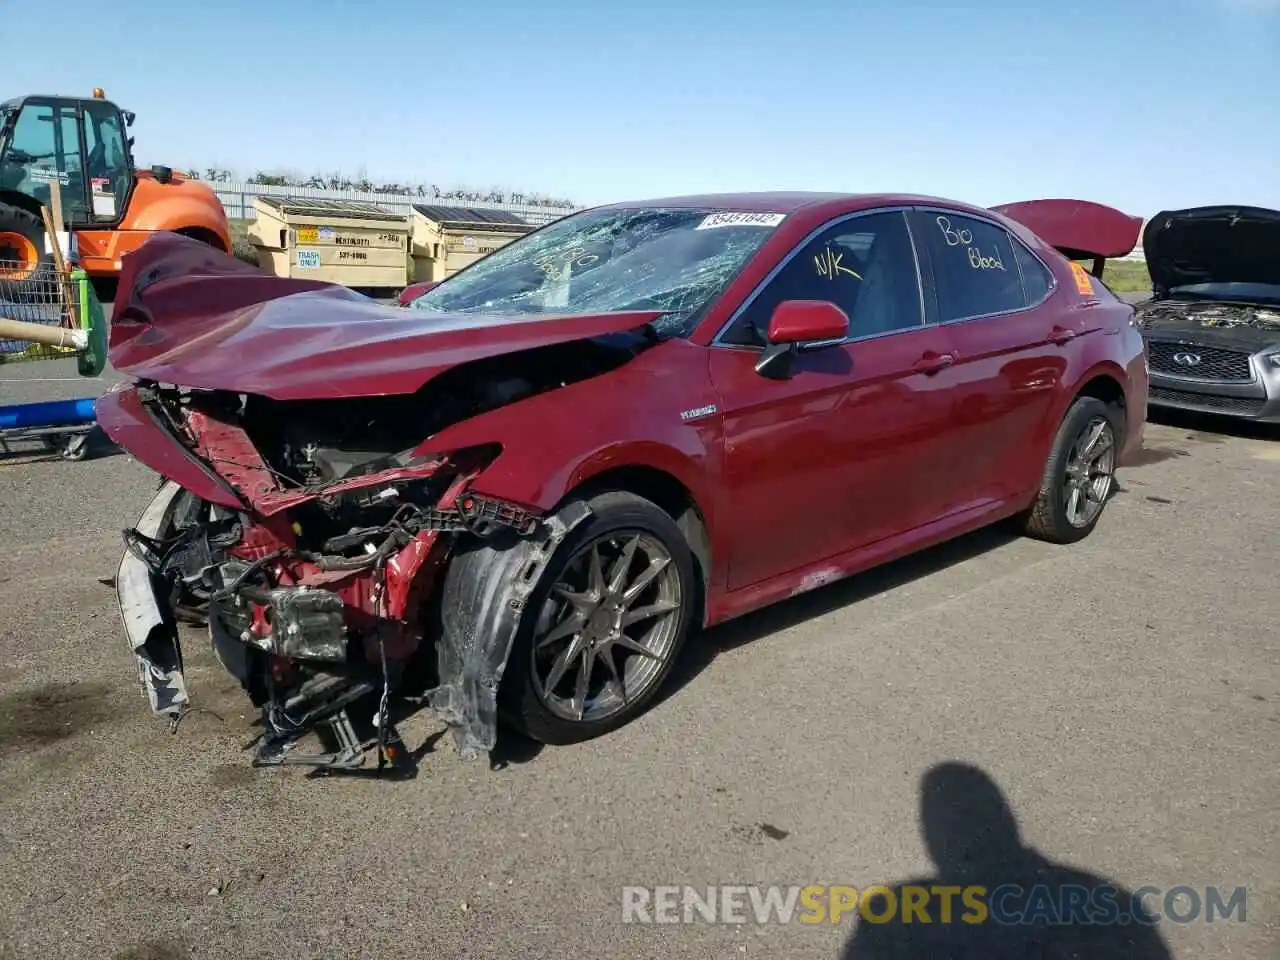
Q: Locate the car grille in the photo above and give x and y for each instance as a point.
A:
(1246, 406)
(1224, 366)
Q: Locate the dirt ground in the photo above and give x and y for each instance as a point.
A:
(1122, 694)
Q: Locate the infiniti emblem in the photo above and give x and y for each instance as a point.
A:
(1187, 359)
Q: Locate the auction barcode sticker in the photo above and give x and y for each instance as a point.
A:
(713, 220)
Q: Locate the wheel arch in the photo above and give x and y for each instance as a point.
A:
(675, 475)
(1104, 385)
(672, 496)
(1103, 382)
(177, 208)
(21, 201)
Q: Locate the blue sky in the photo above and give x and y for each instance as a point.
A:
(1145, 104)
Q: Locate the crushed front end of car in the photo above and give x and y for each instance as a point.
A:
(311, 552)
(305, 517)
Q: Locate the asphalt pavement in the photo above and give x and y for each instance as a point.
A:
(1123, 694)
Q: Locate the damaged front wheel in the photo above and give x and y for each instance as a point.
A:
(603, 626)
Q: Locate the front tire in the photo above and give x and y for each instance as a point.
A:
(603, 626)
(24, 255)
(1079, 476)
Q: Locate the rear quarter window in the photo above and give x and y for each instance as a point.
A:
(975, 267)
(1037, 281)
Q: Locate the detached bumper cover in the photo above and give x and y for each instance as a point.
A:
(472, 649)
(149, 627)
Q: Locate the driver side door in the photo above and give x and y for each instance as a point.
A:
(851, 447)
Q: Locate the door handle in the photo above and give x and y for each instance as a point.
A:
(932, 362)
(1061, 335)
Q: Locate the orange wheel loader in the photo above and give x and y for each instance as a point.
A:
(108, 206)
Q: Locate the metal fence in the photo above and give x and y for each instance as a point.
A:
(237, 198)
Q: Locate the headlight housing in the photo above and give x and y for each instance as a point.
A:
(1272, 360)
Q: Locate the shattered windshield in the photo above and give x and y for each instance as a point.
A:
(674, 260)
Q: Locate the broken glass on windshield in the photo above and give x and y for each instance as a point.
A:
(671, 260)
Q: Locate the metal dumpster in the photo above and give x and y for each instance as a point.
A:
(351, 242)
(446, 239)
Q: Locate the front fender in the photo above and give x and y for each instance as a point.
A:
(515, 480)
(175, 207)
(556, 441)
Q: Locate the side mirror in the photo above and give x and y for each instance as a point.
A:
(796, 324)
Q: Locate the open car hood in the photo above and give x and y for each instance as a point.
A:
(1223, 244)
(193, 316)
(1078, 229)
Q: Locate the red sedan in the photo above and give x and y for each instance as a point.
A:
(517, 497)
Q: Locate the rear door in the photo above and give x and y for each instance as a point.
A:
(846, 451)
(994, 299)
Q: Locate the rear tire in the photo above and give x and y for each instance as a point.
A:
(1079, 476)
(24, 254)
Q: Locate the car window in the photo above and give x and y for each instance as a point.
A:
(974, 266)
(1037, 281)
(864, 265)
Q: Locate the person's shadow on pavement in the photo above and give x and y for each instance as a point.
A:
(1031, 908)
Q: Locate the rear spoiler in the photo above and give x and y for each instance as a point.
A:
(1078, 229)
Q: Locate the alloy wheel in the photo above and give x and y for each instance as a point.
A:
(608, 628)
(1090, 472)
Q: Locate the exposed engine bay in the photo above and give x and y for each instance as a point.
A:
(1211, 313)
(316, 442)
(320, 592)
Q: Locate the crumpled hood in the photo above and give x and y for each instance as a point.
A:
(1222, 244)
(195, 317)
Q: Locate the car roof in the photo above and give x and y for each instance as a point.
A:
(796, 200)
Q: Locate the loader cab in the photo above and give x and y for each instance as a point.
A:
(82, 144)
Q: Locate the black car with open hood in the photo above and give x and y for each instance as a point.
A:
(1212, 327)
(1212, 245)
